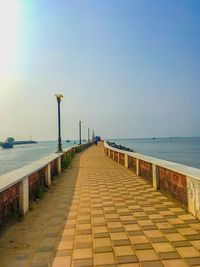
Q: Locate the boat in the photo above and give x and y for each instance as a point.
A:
(68, 141)
(7, 145)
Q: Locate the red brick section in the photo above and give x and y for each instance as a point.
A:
(174, 184)
(53, 168)
(146, 170)
(132, 163)
(111, 154)
(36, 180)
(121, 159)
(9, 203)
(116, 156)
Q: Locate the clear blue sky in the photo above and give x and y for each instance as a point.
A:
(126, 68)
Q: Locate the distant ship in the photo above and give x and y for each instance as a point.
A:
(7, 145)
(10, 141)
(68, 141)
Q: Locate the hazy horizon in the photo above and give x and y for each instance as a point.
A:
(125, 68)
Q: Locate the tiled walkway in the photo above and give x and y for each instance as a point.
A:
(102, 214)
(117, 219)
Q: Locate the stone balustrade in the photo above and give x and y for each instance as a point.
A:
(179, 181)
(19, 187)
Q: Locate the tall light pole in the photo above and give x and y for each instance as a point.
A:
(88, 135)
(80, 132)
(59, 97)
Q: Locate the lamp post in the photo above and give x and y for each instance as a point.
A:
(59, 97)
(88, 135)
(80, 132)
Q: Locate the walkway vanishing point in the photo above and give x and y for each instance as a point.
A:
(100, 213)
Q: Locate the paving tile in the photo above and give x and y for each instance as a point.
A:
(142, 246)
(193, 237)
(196, 244)
(82, 263)
(63, 245)
(174, 263)
(158, 239)
(135, 233)
(187, 231)
(83, 238)
(100, 229)
(152, 264)
(104, 258)
(118, 236)
(121, 242)
(84, 253)
(103, 249)
(45, 249)
(146, 255)
(126, 259)
(163, 247)
(169, 255)
(62, 261)
(169, 231)
(175, 237)
(188, 252)
(153, 233)
(181, 243)
(117, 229)
(123, 251)
(193, 261)
(83, 245)
(131, 227)
(101, 242)
(100, 235)
(84, 232)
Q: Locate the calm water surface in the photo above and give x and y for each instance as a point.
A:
(21, 155)
(185, 151)
(181, 150)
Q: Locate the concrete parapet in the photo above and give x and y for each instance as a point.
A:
(155, 176)
(137, 166)
(193, 195)
(48, 175)
(24, 195)
(126, 161)
(58, 165)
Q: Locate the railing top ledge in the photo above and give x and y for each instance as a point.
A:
(176, 167)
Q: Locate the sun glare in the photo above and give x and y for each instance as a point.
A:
(9, 35)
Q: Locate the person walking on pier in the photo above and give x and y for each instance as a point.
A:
(96, 140)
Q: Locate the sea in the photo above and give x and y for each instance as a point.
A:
(21, 155)
(185, 151)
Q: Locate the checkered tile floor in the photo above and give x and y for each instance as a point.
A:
(117, 219)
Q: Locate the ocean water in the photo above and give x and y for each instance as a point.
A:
(185, 151)
(21, 155)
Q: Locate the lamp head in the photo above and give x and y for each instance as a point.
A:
(59, 96)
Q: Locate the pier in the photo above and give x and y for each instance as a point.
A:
(110, 208)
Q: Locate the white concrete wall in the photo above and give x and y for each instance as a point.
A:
(192, 175)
